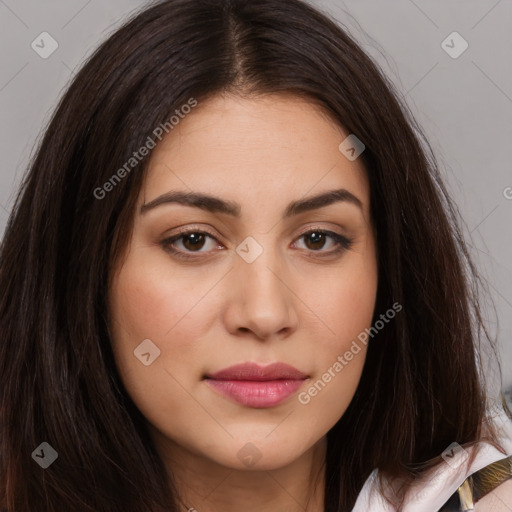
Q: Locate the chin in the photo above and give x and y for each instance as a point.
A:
(257, 455)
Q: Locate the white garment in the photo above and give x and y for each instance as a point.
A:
(430, 496)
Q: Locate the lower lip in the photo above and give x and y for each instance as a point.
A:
(259, 394)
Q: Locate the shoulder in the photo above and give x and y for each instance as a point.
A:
(498, 500)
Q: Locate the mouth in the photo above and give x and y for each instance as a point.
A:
(255, 386)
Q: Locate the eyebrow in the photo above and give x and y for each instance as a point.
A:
(217, 205)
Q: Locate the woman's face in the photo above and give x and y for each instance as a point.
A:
(267, 272)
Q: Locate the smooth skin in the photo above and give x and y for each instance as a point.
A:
(499, 500)
(301, 301)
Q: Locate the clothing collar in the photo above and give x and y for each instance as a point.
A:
(430, 494)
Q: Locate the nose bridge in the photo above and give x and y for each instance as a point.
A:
(258, 268)
(262, 301)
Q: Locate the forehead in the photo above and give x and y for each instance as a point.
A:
(278, 145)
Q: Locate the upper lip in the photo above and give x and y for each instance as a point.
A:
(253, 371)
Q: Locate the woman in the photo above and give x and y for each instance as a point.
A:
(233, 280)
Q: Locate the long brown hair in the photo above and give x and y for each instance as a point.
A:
(421, 388)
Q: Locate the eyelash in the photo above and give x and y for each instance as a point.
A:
(343, 243)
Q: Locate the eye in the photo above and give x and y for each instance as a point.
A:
(184, 244)
(316, 240)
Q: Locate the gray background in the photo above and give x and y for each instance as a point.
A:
(464, 104)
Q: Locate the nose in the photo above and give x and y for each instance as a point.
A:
(261, 302)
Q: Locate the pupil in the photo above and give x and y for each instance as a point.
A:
(194, 241)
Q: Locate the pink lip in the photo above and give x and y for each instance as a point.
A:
(256, 386)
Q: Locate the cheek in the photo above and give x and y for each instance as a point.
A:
(344, 302)
(150, 298)
(345, 306)
(148, 304)
(339, 361)
(142, 300)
